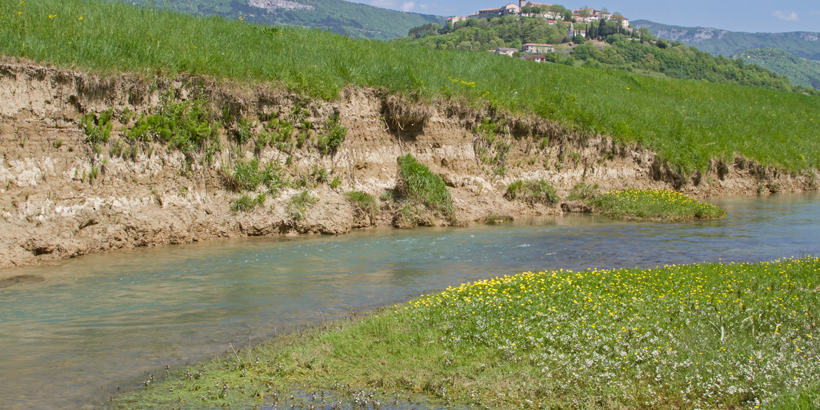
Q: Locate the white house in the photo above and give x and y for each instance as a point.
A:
(508, 10)
(506, 51)
(538, 48)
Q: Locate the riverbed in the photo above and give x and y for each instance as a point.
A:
(79, 329)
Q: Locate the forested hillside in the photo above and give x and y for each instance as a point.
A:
(799, 70)
(338, 16)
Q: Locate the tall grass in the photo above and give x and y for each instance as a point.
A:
(687, 122)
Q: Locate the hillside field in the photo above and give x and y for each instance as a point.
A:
(688, 123)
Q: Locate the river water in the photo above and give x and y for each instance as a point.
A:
(105, 321)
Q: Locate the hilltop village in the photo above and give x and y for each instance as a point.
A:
(575, 23)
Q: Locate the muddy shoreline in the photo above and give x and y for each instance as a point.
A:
(52, 207)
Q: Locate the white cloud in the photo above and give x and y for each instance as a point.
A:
(424, 6)
(786, 16)
(385, 4)
(409, 6)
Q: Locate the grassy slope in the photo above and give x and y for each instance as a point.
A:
(799, 70)
(687, 122)
(695, 336)
(341, 17)
(733, 42)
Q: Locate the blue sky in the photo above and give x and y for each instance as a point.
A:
(733, 15)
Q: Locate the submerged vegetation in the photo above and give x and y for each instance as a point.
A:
(689, 123)
(693, 336)
(662, 205)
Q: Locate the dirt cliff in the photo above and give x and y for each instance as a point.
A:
(64, 193)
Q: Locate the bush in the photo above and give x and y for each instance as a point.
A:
(417, 183)
(532, 192)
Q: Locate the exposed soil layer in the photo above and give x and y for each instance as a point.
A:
(62, 196)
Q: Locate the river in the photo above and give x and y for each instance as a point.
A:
(105, 321)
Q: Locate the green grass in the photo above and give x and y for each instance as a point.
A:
(248, 176)
(364, 202)
(416, 183)
(247, 202)
(686, 122)
(659, 205)
(695, 336)
(299, 204)
(532, 192)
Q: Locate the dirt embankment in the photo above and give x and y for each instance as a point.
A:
(64, 196)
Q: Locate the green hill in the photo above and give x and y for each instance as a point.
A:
(799, 70)
(721, 42)
(625, 50)
(341, 17)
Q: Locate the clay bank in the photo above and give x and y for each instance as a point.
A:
(93, 164)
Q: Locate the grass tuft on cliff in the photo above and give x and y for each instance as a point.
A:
(416, 183)
(692, 336)
(532, 192)
(688, 123)
(653, 205)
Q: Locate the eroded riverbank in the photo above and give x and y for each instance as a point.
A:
(65, 193)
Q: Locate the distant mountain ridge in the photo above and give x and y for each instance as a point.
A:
(723, 42)
(338, 16)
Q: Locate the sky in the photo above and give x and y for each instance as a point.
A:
(733, 15)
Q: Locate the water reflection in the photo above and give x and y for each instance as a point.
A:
(104, 320)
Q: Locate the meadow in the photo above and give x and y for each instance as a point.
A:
(689, 123)
(718, 335)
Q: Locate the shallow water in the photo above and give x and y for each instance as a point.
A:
(103, 321)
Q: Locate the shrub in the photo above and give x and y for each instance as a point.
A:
(532, 192)
(417, 183)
